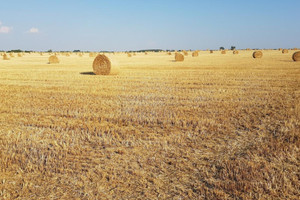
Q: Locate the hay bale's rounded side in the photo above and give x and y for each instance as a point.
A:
(223, 52)
(179, 57)
(257, 54)
(5, 57)
(296, 56)
(101, 65)
(129, 55)
(235, 52)
(211, 51)
(185, 53)
(195, 54)
(53, 59)
(285, 51)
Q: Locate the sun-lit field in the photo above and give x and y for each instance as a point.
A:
(216, 126)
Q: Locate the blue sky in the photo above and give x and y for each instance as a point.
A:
(143, 24)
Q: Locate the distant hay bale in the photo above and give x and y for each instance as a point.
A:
(53, 60)
(235, 52)
(223, 52)
(195, 54)
(185, 53)
(211, 51)
(146, 53)
(19, 55)
(169, 53)
(248, 49)
(5, 57)
(91, 54)
(129, 55)
(285, 51)
(257, 54)
(179, 57)
(280, 49)
(296, 56)
(11, 55)
(101, 65)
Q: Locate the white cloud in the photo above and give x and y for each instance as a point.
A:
(5, 29)
(33, 30)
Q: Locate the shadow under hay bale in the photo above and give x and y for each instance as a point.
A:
(87, 73)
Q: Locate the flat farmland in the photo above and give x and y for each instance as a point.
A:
(216, 126)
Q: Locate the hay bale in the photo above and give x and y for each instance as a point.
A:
(185, 53)
(195, 54)
(296, 56)
(53, 59)
(169, 53)
(129, 55)
(179, 57)
(101, 65)
(285, 51)
(19, 55)
(223, 52)
(235, 52)
(211, 51)
(146, 53)
(257, 54)
(5, 57)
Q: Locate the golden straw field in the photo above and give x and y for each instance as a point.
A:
(216, 126)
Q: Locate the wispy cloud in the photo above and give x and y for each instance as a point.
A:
(4, 29)
(33, 30)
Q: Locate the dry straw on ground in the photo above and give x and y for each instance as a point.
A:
(296, 56)
(53, 60)
(195, 54)
(257, 54)
(179, 57)
(285, 51)
(101, 65)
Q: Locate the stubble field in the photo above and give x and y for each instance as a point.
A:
(212, 127)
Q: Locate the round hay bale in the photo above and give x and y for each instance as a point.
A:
(129, 55)
(195, 54)
(285, 51)
(296, 56)
(211, 51)
(146, 53)
(179, 57)
(257, 54)
(223, 52)
(5, 57)
(169, 53)
(101, 65)
(19, 55)
(185, 53)
(235, 52)
(53, 60)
